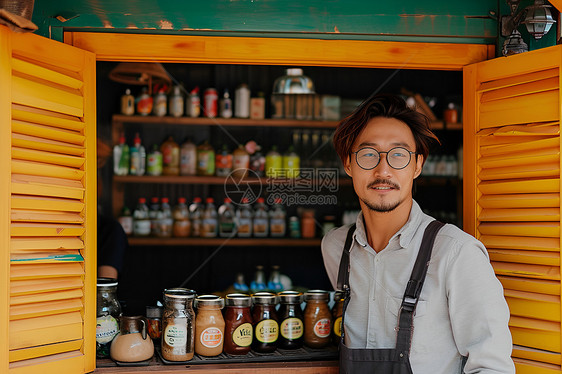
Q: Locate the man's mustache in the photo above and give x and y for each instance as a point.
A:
(384, 182)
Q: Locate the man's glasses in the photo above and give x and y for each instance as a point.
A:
(368, 158)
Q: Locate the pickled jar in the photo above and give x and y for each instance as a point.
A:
(108, 312)
(291, 328)
(317, 319)
(209, 325)
(266, 328)
(154, 322)
(337, 312)
(178, 320)
(238, 331)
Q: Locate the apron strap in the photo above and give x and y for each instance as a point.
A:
(413, 289)
(343, 274)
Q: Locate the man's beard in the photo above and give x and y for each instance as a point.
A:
(381, 207)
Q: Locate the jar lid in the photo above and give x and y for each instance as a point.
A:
(264, 298)
(209, 300)
(317, 295)
(339, 296)
(290, 297)
(238, 299)
(153, 311)
(107, 282)
(179, 293)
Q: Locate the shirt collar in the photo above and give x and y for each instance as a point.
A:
(404, 235)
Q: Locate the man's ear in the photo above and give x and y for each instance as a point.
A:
(419, 166)
(347, 166)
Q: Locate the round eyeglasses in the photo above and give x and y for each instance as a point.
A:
(397, 158)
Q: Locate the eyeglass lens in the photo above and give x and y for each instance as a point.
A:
(369, 158)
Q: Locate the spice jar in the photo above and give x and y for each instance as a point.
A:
(108, 312)
(132, 343)
(209, 325)
(154, 321)
(291, 328)
(238, 330)
(266, 328)
(178, 330)
(337, 312)
(317, 319)
(308, 224)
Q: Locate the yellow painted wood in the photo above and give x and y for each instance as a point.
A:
(510, 159)
(547, 287)
(541, 339)
(533, 305)
(46, 170)
(67, 362)
(46, 296)
(34, 286)
(33, 142)
(517, 147)
(35, 70)
(45, 271)
(46, 203)
(28, 353)
(46, 96)
(527, 270)
(31, 332)
(533, 367)
(521, 89)
(47, 308)
(46, 229)
(277, 51)
(47, 132)
(517, 80)
(519, 186)
(530, 200)
(21, 245)
(21, 215)
(507, 138)
(525, 257)
(46, 157)
(46, 186)
(530, 214)
(521, 242)
(520, 131)
(536, 355)
(524, 171)
(543, 229)
(47, 118)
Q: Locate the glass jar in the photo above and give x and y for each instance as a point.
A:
(238, 324)
(178, 330)
(108, 312)
(132, 343)
(291, 328)
(317, 319)
(209, 325)
(266, 328)
(337, 312)
(154, 319)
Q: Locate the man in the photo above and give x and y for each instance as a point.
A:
(461, 317)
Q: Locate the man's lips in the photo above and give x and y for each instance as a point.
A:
(383, 185)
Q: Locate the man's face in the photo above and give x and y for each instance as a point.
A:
(384, 188)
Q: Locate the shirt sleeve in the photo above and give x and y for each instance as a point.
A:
(331, 254)
(478, 311)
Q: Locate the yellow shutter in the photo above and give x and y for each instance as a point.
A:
(512, 192)
(48, 215)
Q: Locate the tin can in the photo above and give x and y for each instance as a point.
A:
(210, 102)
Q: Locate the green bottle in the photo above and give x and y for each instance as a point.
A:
(291, 163)
(273, 163)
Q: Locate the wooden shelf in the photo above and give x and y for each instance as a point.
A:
(184, 179)
(203, 121)
(234, 242)
(441, 125)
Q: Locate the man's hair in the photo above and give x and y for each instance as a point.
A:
(388, 106)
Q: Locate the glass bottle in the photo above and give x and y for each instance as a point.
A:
(108, 312)
(175, 105)
(240, 284)
(291, 163)
(291, 328)
(205, 159)
(274, 284)
(178, 325)
(138, 157)
(277, 220)
(257, 162)
(226, 105)
(337, 313)
(127, 103)
(264, 317)
(244, 217)
(227, 219)
(196, 216)
(160, 103)
(165, 220)
(209, 325)
(209, 227)
(188, 158)
(144, 102)
(126, 220)
(193, 103)
(223, 162)
(258, 284)
(308, 224)
(261, 219)
(317, 319)
(132, 343)
(240, 162)
(153, 213)
(273, 163)
(170, 157)
(154, 162)
(182, 225)
(121, 157)
(238, 331)
(141, 220)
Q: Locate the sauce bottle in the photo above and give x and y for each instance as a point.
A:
(209, 325)
(196, 216)
(291, 163)
(182, 225)
(138, 157)
(209, 226)
(261, 219)
(264, 317)
(273, 163)
(141, 219)
(121, 157)
(188, 158)
(241, 162)
(175, 106)
(144, 103)
(223, 162)
(127, 103)
(178, 327)
(317, 319)
(193, 103)
(205, 159)
(160, 103)
(238, 329)
(154, 162)
(244, 217)
(170, 157)
(337, 312)
(291, 328)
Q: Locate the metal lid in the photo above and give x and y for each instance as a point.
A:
(290, 297)
(293, 82)
(107, 282)
(179, 293)
(317, 295)
(264, 298)
(238, 299)
(209, 300)
(153, 311)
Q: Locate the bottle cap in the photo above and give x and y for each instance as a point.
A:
(154, 200)
(181, 200)
(197, 200)
(210, 200)
(165, 200)
(142, 200)
(227, 200)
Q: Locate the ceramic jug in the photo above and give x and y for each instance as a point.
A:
(132, 344)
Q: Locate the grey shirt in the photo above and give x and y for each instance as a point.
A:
(461, 311)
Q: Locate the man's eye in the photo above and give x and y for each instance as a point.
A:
(369, 155)
(398, 154)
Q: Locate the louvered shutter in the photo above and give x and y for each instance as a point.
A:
(48, 217)
(512, 192)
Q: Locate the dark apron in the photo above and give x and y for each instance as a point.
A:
(386, 361)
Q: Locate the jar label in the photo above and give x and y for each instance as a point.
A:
(175, 335)
(211, 337)
(106, 329)
(267, 331)
(337, 327)
(322, 328)
(292, 328)
(242, 336)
